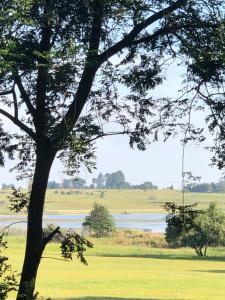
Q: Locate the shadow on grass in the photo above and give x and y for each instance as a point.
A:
(210, 271)
(111, 298)
(163, 256)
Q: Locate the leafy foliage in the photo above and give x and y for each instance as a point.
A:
(99, 222)
(8, 278)
(180, 219)
(67, 53)
(181, 216)
(18, 200)
(75, 243)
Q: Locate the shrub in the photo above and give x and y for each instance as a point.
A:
(140, 238)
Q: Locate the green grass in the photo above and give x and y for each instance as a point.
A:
(128, 272)
(119, 200)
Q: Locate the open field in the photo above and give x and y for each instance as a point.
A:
(77, 201)
(128, 272)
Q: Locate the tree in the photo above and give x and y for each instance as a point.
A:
(7, 186)
(147, 185)
(59, 57)
(53, 185)
(78, 183)
(100, 181)
(115, 180)
(209, 230)
(99, 222)
(198, 230)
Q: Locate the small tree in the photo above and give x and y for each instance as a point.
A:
(196, 230)
(209, 230)
(99, 222)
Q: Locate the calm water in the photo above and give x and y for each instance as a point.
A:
(148, 222)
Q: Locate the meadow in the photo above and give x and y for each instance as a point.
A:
(121, 269)
(77, 201)
(127, 272)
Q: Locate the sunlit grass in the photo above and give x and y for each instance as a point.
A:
(128, 272)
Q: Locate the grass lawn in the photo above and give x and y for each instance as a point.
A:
(77, 201)
(128, 272)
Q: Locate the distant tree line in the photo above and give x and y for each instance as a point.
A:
(115, 180)
(7, 186)
(212, 187)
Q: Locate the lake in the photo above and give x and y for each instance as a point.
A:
(146, 221)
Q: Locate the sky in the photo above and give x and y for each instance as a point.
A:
(161, 163)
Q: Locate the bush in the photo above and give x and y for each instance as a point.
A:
(140, 238)
(99, 222)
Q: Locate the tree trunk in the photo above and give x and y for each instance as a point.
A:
(35, 243)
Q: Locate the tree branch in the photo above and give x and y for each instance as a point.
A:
(8, 226)
(51, 235)
(20, 124)
(55, 258)
(43, 69)
(109, 134)
(93, 60)
(130, 37)
(15, 102)
(91, 66)
(6, 92)
(24, 95)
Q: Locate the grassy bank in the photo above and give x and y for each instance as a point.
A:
(77, 201)
(128, 272)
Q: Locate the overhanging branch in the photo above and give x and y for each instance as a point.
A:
(20, 124)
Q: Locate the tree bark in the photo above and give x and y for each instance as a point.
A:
(35, 242)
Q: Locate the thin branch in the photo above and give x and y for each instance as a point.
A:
(20, 124)
(55, 258)
(8, 226)
(6, 92)
(109, 134)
